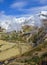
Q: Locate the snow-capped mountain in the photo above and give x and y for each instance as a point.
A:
(33, 21)
(43, 15)
(11, 23)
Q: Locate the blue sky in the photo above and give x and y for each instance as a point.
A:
(22, 7)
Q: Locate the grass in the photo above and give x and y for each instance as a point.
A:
(14, 51)
(10, 50)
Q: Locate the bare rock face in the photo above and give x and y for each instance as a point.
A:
(43, 17)
(0, 29)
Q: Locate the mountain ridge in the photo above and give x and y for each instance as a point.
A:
(12, 23)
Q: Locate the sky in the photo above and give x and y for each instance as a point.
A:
(15, 11)
(20, 8)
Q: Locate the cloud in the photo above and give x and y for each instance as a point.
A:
(43, 1)
(2, 13)
(21, 6)
(18, 5)
(1, 1)
(29, 11)
(34, 10)
(12, 23)
(38, 9)
(12, 20)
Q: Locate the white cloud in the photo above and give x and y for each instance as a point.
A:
(12, 23)
(38, 9)
(2, 12)
(1, 1)
(34, 10)
(43, 1)
(30, 11)
(18, 5)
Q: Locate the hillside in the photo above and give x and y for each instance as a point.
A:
(10, 50)
(27, 46)
(9, 56)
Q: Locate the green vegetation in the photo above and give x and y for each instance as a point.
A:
(18, 36)
(30, 46)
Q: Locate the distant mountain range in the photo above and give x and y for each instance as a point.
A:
(11, 23)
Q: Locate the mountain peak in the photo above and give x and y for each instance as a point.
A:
(43, 15)
(12, 23)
